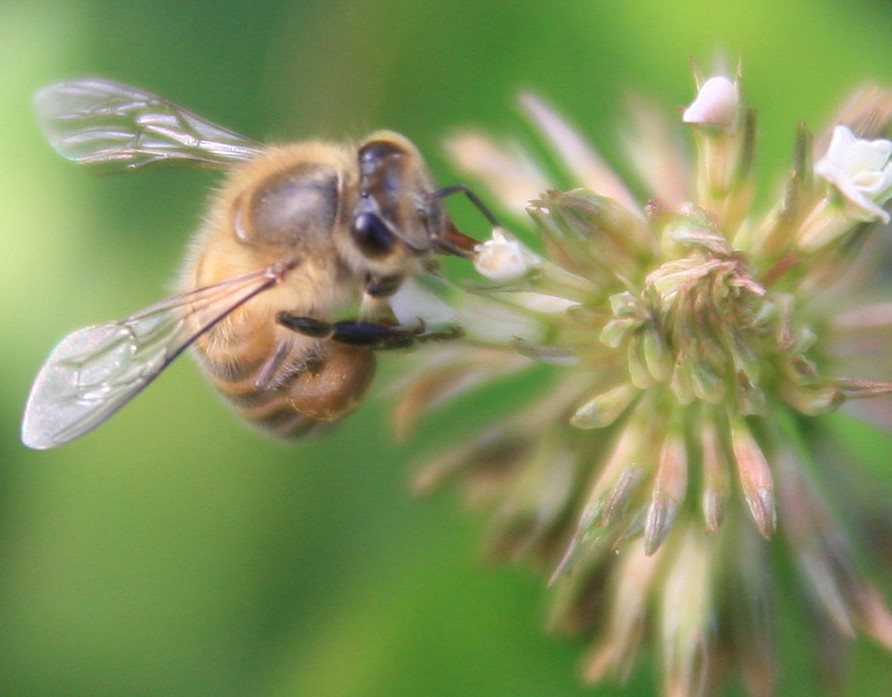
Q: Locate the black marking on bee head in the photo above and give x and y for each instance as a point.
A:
(383, 286)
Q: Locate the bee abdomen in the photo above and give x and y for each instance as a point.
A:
(305, 394)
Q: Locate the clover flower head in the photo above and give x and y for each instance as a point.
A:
(688, 349)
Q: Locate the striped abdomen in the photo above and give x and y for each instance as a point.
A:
(284, 383)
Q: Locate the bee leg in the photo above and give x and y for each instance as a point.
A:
(368, 334)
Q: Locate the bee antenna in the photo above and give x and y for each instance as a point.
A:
(474, 198)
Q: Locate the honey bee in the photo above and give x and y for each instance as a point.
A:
(297, 235)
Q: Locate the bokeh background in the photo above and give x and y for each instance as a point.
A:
(175, 553)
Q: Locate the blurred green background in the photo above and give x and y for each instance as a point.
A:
(173, 551)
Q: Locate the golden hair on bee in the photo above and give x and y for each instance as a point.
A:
(289, 201)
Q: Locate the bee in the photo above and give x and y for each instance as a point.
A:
(297, 235)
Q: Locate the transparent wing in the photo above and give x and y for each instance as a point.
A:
(113, 127)
(95, 371)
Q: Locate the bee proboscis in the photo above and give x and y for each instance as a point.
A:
(296, 235)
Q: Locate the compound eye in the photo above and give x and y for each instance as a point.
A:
(374, 153)
(372, 235)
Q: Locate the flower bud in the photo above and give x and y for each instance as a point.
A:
(717, 105)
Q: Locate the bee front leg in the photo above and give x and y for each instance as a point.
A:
(369, 334)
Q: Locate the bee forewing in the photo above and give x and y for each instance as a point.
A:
(90, 375)
(116, 127)
(95, 371)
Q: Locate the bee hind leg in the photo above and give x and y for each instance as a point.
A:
(368, 334)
